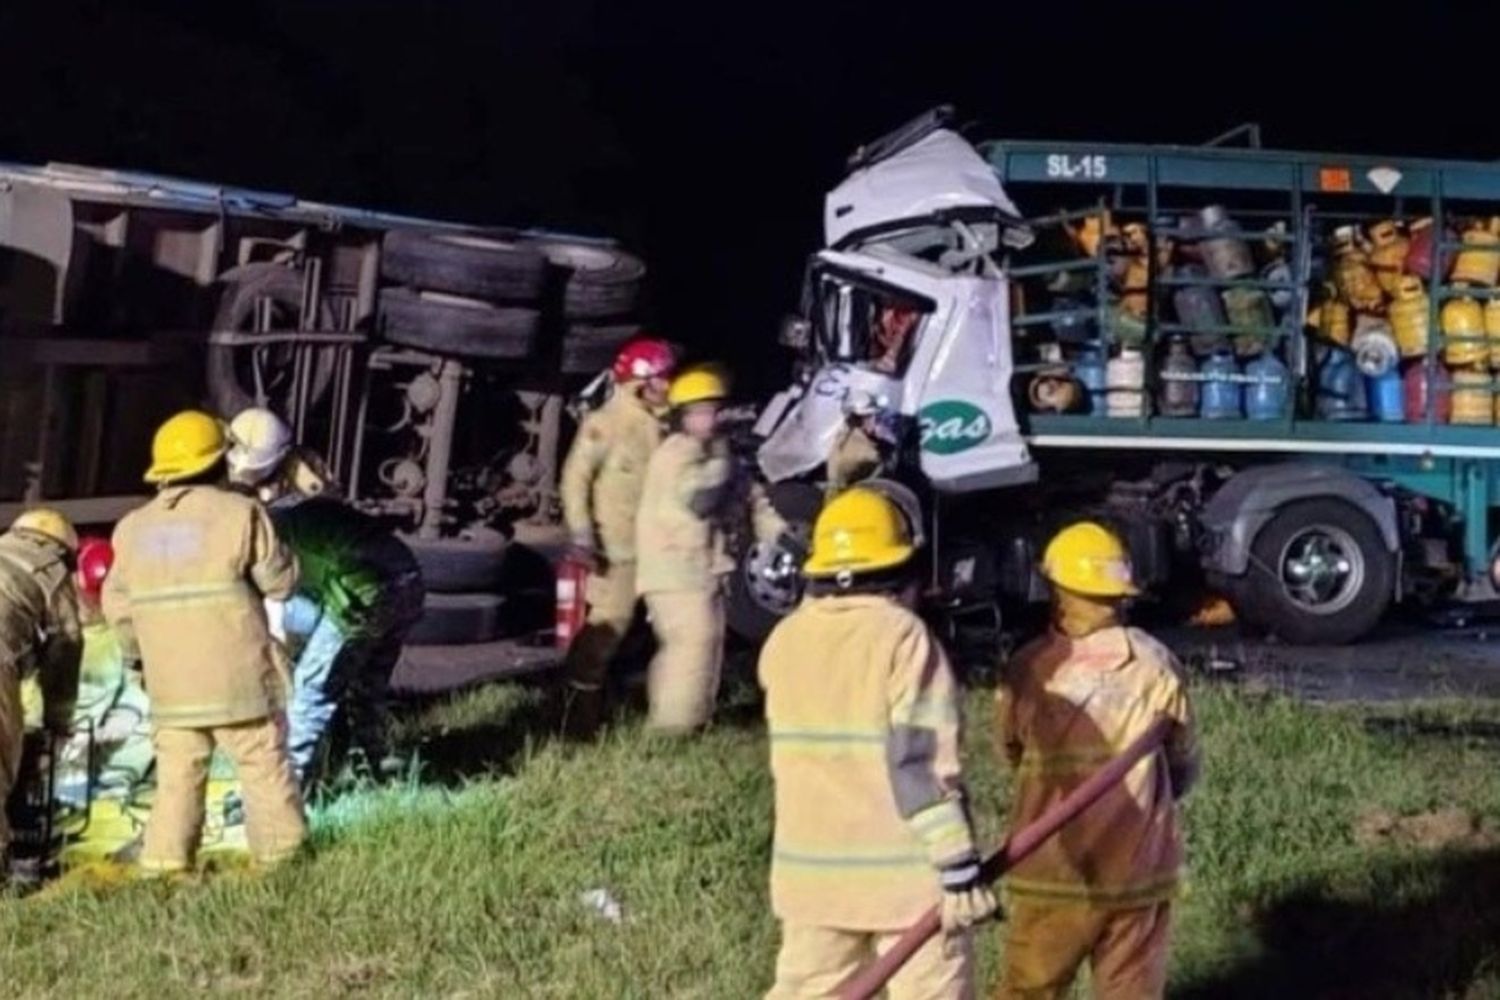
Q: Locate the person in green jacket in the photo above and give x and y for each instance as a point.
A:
(360, 594)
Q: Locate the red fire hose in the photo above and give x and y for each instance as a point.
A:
(870, 980)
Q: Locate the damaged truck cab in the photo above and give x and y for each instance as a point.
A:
(1030, 388)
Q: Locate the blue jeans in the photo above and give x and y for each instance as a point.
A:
(350, 673)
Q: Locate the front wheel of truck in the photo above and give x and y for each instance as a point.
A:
(759, 595)
(1320, 574)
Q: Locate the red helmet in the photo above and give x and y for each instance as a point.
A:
(95, 557)
(644, 357)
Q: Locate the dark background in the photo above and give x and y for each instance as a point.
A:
(702, 135)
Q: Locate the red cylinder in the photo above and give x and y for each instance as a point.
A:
(572, 580)
(1415, 393)
(1419, 251)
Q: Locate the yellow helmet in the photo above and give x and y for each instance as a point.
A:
(860, 531)
(1087, 558)
(698, 385)
(48, 523)
(187, 444)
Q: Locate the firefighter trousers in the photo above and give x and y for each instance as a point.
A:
(611, 598)
(274, 823)
(683, 682)
(12, 725)
(815, 960)
(1126, 949)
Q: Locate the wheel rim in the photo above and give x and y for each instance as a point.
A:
(1322, 569)
(774, 592)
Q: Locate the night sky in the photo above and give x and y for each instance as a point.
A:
(704, 135)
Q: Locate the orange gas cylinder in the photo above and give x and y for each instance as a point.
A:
(1473, 403)
(1388, 249)
(1409, 315)
(1334, 322)
(572, 581)
(1092, 230)
(1464, 342)
(1492, 330)
(1479, 261)
(1352, 273)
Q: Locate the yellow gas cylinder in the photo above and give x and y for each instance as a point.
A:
(1463, 334)
(1492, 330)
(1409, 317)
(1134, 286)
(1479, 261)
(1091, 231)
(1473, 402)
(1388, 249)
(1335, 325)
(1352, 273)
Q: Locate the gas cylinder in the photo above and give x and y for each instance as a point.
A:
(1341, 389)
(1417, 380)
(1387, 397)
(1335, 324)
(1409, 315)
(1352, 274)
(1279, 272)
(1090, 231)
(1199, 308)
(1225, 253)
(572, 580)
(1388, 249)
(1089, 370)
(1479, 261)
(1125, 377)
(1133, 289)
(1420, 251)
(1075, 320)
(1374, 347)
(1464, 342)
(1179, 389)
(1249, 307)
(1473, 402)
(1222, 397)
(1127, 329)
(1266, 396)
(1492, 330)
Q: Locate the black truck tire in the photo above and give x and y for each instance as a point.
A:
(458, 619)
(480, 267)
(588, 349)
(229, 387)
(601, 281)
(747, 613)
(465, 328)
(460, 565)
(1320, 574)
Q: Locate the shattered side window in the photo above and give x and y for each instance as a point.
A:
(864, 327)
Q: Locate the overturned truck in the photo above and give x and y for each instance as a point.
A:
(429, 363)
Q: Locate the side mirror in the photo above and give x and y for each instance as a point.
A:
(795, 333)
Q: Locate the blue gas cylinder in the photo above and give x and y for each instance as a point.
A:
(1266, 397)
(1387, 397)
(1089, 370)
(1341, 390)
(1222, 396)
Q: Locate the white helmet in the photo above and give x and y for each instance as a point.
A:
(258, 442)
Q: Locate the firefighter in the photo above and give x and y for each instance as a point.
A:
(185, 597)
(601, 485)
(359, 595)
(694, 489)
(872, 829)
(1072, 699)
(40, 634)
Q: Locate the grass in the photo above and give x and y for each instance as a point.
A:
(469, 882)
